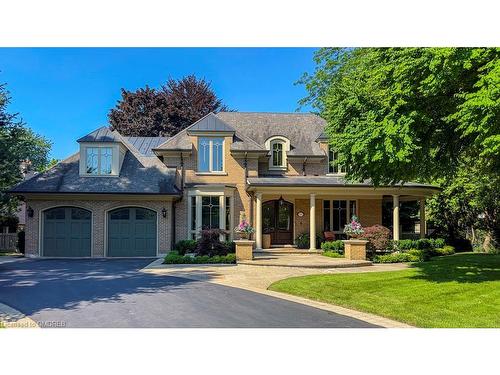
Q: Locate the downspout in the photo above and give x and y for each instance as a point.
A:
(304, 167)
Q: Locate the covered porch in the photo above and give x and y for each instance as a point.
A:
(283, 211)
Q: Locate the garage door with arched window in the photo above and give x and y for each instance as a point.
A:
(132, 232)
(67, 232)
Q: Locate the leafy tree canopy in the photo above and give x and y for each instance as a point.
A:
(401, 114)
(418, 114)
(17, 144)
(164, 111)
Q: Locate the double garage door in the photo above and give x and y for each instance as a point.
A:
(131, 232)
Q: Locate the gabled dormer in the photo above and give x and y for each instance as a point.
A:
(101, 153)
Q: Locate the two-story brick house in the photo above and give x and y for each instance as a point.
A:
(136, 196)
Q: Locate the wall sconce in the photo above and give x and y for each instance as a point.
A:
(30, 211)
(164, 212)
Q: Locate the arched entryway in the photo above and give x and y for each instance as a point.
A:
(277, 220)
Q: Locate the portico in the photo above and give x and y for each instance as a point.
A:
(288, 210)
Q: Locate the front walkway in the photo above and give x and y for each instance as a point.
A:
(257, 279)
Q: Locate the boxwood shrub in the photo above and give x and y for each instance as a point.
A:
(185, 246)
(175, 258)
(413, 255)
(337, 246)
(333, 254)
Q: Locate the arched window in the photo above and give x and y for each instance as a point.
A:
(278, 147)
(277, 154)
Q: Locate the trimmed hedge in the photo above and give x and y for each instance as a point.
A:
(413, 255)
(175, 258)
(332, 254)
(185, 246)
(336, 246)
(421, 244)
(398, 257)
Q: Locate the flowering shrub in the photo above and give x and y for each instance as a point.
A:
(354, 228)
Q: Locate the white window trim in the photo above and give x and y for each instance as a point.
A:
(349, 214)
(286, 147)
(116, 158)
(222, 210)
(341, 170)
(210, 157)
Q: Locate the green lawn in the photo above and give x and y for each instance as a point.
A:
(461, 290)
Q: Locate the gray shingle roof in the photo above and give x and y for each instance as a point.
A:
(139, 175)
(319, 181)
(302, 129)
(252, 129)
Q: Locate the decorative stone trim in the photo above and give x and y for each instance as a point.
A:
(355, 249)
(244, 249)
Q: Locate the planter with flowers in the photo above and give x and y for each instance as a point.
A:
(355, 248)
(244, 246)
(244, 229)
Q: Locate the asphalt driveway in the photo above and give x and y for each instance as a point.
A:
(114, 293)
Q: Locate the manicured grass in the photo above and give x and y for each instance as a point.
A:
(461, 290)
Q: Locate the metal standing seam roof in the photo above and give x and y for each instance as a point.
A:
(210, 122)
(338, 181)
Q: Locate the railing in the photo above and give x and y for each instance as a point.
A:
(8, 241)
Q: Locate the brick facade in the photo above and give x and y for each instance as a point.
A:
(370, 212)
(99, 209)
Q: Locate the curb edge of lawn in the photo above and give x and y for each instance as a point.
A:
(366, 317)
(12, 318)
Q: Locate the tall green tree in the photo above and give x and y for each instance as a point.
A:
(18, 143)
(164, 111)
(412, 114)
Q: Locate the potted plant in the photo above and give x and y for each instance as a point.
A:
(244, 229)
(354, 228)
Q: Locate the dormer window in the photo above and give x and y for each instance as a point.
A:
(278, 146)
(99, 160)
(333, 163)
(277, 154)
(210, 154)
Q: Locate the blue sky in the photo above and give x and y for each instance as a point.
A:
(65, 93)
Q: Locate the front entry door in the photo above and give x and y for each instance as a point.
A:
(277, 220)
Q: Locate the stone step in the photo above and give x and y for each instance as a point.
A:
(285, 251)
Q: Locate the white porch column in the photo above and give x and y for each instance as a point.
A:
(258, 221)
(312, 222)
(423, 226)
(395, 217)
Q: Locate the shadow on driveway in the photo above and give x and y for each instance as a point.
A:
(114, 293)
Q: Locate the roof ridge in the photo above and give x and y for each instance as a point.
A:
(272, 113)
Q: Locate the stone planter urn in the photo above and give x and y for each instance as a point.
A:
(244, 235)
(266, 241)
(244, 249)
(355, 249)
